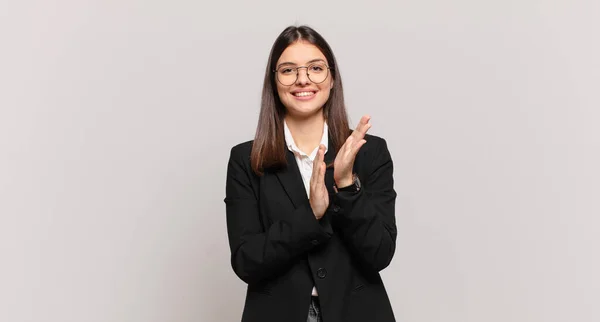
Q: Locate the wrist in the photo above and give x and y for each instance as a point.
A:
(354, 186)
(344, 182)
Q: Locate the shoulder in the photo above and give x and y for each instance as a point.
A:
(242, 149)
(375, 141)
(239, 156)
(372, 140)
(239, 165)
(374, 144)
(375, 149)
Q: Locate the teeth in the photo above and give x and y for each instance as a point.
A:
(304, 94)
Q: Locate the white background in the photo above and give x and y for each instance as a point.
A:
(117, 117)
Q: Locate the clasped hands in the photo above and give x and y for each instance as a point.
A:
(342, 167)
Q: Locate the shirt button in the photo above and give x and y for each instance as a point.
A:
(336, 208)
(321, 273)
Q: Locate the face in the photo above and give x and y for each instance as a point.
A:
(303, 97)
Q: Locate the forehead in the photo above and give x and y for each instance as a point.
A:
(300, 52)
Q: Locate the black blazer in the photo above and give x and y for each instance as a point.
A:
(281, 250)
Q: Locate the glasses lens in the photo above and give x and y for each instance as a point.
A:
(286, 75)
(317, 72)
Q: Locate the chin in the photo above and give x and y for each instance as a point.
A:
(303, 111)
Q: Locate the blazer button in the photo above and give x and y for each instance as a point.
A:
(336, 208)
(315, 242)
(321, 273)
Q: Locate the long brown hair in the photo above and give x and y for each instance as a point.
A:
(269, 149)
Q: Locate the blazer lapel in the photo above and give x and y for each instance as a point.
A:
(291, 179)
(329, 158)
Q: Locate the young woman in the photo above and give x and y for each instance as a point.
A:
(309, 202)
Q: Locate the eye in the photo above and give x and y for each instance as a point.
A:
(317, 68)
(286, 70)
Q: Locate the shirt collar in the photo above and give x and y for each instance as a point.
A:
(291, 145)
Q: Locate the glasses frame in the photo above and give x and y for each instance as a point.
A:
(297, 72)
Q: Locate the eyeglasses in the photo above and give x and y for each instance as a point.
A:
(316, 72)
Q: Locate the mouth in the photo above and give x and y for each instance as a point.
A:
(304, 95)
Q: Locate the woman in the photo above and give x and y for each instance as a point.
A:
(310, 203)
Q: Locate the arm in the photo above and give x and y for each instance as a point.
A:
(258, 253)
(366, 218)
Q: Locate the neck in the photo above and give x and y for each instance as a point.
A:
(307, 132)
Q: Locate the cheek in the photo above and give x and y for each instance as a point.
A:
(281, 93)
(326, 87)
(326, 92)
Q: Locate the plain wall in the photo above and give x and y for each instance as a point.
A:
(117, 118)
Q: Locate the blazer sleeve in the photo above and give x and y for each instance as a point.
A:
(366, 219)
(258, 253)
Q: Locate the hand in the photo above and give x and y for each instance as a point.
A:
(344, 160)
(319, 196)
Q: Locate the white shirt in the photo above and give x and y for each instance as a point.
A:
(304, 161)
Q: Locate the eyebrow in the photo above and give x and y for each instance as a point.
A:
(309, 62)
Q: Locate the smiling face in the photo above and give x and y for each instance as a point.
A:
(303, 97)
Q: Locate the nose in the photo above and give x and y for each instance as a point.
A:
(302, 78)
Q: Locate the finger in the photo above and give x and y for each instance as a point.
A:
(322, 168)
(362, 127)
(321, 152)
(342, 155)
(357, 146)
(349, 142)
(365, 125)
(315, 170)
(322, 162)
(351, 151)
(364, 119)
(317, 162)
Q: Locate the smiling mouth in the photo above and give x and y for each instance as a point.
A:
(303, 94)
